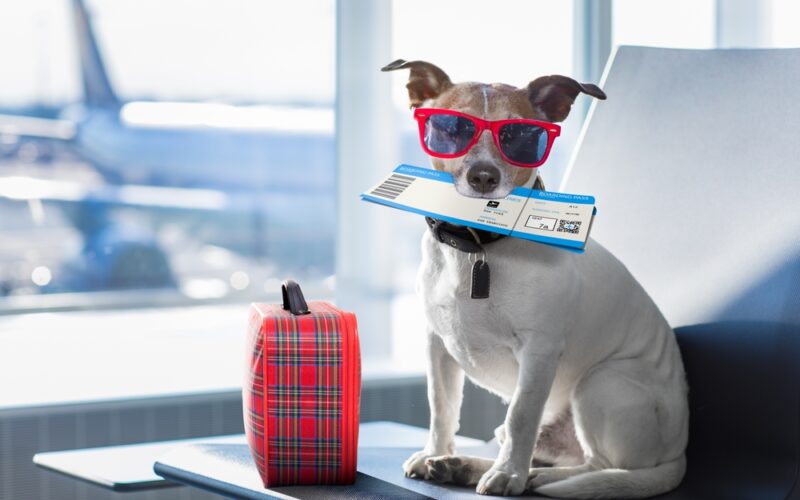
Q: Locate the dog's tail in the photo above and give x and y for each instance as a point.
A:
(619, 483)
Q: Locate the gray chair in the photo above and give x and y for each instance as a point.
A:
(695, 163)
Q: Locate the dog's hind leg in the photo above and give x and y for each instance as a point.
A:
(631, 424)
(539, 476)
(557, 444)
(460, 470)
(625, 417)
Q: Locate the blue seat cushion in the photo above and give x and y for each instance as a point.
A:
(744, 400)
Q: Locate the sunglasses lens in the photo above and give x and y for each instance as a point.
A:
(448, 134)
(523, 142)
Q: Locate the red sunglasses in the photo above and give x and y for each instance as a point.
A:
(449, 134)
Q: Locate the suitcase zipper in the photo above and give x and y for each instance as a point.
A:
(346, 398)
(349, 431)
(354, 368)
(349, 401)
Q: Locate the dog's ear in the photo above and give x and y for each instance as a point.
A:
(553, 95)
(538, 183)
(426, 80)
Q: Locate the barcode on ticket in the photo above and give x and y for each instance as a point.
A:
(393, 186)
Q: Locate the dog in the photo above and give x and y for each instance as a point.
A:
(589, 366)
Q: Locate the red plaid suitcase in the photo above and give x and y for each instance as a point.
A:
(302, 391)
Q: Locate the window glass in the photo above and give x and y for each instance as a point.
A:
(784, 17)
(209, 177)
(241, 50)
(37, 50)
(686, 24)
(509, 41)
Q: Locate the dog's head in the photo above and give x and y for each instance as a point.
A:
(483, 172)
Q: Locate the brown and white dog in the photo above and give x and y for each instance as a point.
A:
(587, 362)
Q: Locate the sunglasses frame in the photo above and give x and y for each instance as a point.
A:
(422, 115)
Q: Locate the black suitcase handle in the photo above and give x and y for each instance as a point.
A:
(293, 299)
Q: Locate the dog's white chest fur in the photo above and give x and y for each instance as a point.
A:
(463, 322)
(479, 333)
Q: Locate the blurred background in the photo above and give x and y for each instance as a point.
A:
(164, 163)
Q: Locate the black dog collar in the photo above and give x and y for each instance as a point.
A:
(460, 237)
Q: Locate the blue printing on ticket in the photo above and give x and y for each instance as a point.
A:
(522, 191)
(427, 173)
(581, 199)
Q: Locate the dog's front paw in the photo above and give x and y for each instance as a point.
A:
(455, 470)
(415, 466)
(502, 481)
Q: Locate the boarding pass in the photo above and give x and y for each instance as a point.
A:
(559, 219)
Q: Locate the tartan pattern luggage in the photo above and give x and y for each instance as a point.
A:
(302, 390)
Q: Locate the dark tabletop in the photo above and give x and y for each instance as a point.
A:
(130, 467)
(227, 469)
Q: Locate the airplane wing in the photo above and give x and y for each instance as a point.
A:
(40, 128)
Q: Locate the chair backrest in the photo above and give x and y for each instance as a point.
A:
(695, 163)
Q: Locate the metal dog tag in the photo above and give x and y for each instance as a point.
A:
(480, 280)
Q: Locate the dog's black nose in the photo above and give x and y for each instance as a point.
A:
(483, 177)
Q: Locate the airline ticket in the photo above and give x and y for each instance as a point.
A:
(559, 219)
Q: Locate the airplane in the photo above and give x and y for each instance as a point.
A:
(256, 180)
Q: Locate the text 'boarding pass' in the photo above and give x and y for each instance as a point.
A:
(548, 217)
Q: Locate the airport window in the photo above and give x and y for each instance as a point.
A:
(39, 56)
(242, 51)
(685, 24)
(167, 193)
(193, 163)
(782, 23)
